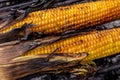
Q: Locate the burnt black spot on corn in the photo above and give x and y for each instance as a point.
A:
(57, 20)
(97, 44)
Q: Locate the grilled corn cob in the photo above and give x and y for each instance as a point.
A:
(77, 16)
(97, 44)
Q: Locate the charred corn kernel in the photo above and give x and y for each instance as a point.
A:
(77, 16)
(97, 44)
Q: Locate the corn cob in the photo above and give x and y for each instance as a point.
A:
(97, 44)
(77, 16)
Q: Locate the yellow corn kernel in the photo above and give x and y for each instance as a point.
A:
(57, 20)
(97, 44)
